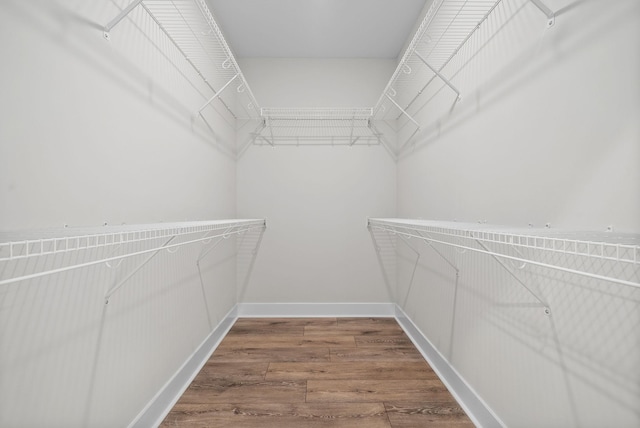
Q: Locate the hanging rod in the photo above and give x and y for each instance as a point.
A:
(600, 246)
(60, 241)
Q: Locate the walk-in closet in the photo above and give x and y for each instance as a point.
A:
(320, 213)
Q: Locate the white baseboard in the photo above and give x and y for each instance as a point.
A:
(162, 403)
(312, 310)
(473, 405)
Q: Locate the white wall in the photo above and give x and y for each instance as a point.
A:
(547, 131)
(316, 199)
(92, 132)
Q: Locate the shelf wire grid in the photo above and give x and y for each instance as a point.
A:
(317, 125)
(21, 245)
(445, 29)
(192, 28)
(582, 249)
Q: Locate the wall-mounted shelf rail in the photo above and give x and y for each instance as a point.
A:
(107, 244)
(191, 27)
(292, 126)
(573, 250)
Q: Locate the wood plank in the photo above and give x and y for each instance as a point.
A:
(271, 354)
(400, 353)
(358, 326)
(272, 326)
(278, 341)
(375, 390)
(378, 321)
(383, 341)
(354, 329)
(229, 391)
(375, 370)
(285, 415)
(238, 371)
(437, 414)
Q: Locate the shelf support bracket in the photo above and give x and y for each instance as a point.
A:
(378, 135)
(115, 288)
(427, 239)
(402, 110)
(126, 11)
(545, 305)
(551, 16)
(217, 94)
(437, 73)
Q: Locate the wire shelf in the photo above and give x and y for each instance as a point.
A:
(17, 246)
(191, 27)
(317, 126)
(445, 29)
(602, 246)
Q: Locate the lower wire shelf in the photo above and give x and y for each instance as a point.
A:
(574, 248)
(106, 244)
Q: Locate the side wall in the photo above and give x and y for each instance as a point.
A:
(316, 198)
(92, 132)
(547, 132)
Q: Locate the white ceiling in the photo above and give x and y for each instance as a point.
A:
(316, 28)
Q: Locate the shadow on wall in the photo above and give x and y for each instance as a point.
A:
(584, 327)
(144, 63)
(248, 246)
(71, 342)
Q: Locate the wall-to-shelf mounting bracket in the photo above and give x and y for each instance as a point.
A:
(126, 11)
(217, 94)
(116, 287)
(437, 73)
(551, 16)
(541, 301)
(402, 110)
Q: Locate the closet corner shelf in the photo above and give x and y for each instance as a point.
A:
(525, 245)
(347, 126)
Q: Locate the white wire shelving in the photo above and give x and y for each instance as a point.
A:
(107, 244)
(445, 29)
(293, 126)
(191, 27)
(525, 246)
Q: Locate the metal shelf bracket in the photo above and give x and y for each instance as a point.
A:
(217, 94)
(402, 110)
(126, 11)
(551, 16)
(437, 73)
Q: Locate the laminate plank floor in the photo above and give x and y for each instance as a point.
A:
(316, 372)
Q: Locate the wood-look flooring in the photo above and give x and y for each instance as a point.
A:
(316, 372)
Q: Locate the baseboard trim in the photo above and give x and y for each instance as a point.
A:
(315, 310)
(162, 403)
(473, 405)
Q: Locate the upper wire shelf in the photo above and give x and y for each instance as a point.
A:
(191, 27)
(445, 29)
(605, 246)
